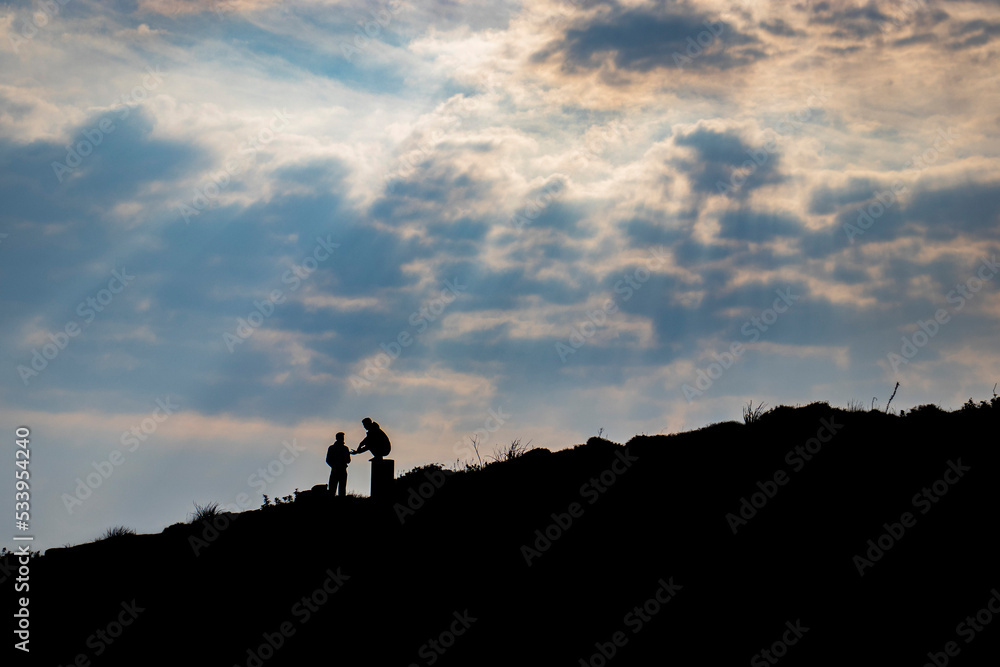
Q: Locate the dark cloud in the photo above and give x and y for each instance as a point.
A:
(841, 50)
(922, 38)
(747, 225)
(849, 275)
(436, 183)
(862, 21)
(764, 258)
(819, 244)
(692, 253)
(727, 164)
(781, 28)
(851, 22)
(65, 238)
(970, 34)
(505, 289)
(641, 232)
(972, 209)
(559, 216)
(827, 200)
(672, 35)
(807, 320)
(108, 158)
(197, 279)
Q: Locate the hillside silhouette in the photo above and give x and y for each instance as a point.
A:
(639, 553)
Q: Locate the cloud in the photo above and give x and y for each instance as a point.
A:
(757, 226)
(220, 7)
(780, 28)
(726, 163)
(826, 199)
(849, 20)
(970, 34)
(667, 35)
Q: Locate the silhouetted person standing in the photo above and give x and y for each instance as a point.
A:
(338, 456)
(376, 442)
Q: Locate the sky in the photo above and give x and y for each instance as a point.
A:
(229, 230)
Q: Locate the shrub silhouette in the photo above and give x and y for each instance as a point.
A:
(926, 410)
(514, 450)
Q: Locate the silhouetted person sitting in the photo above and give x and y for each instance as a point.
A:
(338, 456)
(376, 442)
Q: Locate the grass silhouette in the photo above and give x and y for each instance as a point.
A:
(206, 512)
(752, 414)
(116, 531)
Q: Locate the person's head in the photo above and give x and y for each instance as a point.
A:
(367, 423)
(340, 437)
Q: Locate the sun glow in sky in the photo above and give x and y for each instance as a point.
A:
(231, 229)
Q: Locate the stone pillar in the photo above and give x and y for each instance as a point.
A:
(383, 473)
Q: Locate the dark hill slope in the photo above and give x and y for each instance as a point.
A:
(651, 519)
